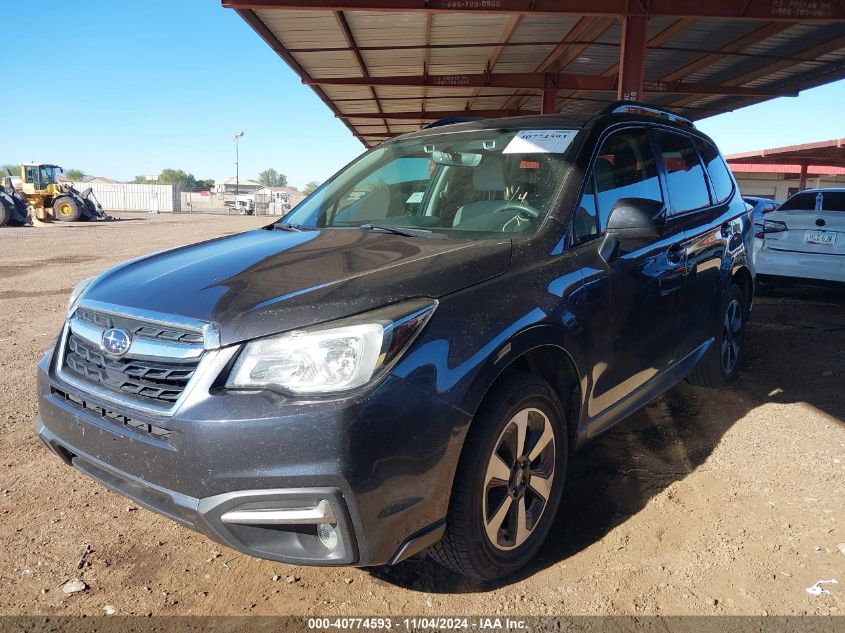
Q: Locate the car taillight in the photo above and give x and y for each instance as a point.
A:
(773, 226)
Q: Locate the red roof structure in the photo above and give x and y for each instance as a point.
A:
(386, 67)
(821, 157)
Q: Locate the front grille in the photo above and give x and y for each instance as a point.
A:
(158, 383)
(138, 329)
(157, 432)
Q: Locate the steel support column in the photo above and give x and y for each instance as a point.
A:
(549, 101)
(632, 58)
(802, 179)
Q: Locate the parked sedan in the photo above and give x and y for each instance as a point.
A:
(804, 240)
(761, 206)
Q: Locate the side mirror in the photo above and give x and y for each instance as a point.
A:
(637, 218)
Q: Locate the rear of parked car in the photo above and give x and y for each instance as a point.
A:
(804, 240)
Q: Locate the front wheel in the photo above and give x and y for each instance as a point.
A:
(66, 209)
(509, 480)
(720, 365)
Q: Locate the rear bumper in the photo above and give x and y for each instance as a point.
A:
(774, 263)
(382, 463)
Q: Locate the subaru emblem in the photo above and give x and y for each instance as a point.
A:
(116, 342)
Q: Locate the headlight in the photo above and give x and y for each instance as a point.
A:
(77, 292)
(331, 358)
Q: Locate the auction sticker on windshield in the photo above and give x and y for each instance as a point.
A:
(540, 142)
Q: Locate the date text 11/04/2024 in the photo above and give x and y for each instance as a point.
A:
(417, 623)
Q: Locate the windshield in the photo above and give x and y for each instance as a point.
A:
(49, 174)
(462, 184)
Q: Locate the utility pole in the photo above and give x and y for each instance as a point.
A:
(237, 137)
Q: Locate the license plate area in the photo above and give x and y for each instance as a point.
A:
(820, 238)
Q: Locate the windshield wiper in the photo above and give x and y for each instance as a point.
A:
(404, 231)
(296, 228)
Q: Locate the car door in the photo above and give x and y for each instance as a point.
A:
(701, 194)
(633, 296)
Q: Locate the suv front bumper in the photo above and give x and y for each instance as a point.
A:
(267, 477)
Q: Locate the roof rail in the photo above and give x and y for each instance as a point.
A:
(633, 107)
(449, 120)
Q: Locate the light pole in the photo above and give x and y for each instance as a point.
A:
(237, 137)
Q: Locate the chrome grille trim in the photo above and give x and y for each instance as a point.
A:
(210, 332)
(141, 348)
(210, 358)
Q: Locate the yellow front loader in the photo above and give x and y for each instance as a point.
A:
(48, 199)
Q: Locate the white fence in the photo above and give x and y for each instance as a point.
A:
(128, 197)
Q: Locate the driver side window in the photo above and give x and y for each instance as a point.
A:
(625, 167)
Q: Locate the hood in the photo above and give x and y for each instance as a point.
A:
(263, 282)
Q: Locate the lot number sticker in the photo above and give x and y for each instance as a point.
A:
(540, 142)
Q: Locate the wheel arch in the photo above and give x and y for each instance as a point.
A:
(542, 350)
(742, 277)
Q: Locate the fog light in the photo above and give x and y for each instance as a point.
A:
(327, 535)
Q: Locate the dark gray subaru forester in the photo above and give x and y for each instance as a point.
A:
(406, 360)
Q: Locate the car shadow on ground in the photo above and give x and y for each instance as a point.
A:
(795, 353)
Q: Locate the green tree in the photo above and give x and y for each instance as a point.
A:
(76, 175)
(15, 169)
(177, 177)
(271, 178)
(309, 187)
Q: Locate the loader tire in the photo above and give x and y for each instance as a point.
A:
(5, 214)
(66, 209)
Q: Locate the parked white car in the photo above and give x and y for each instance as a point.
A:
(804, 239)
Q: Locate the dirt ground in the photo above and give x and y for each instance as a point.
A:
(728, 502)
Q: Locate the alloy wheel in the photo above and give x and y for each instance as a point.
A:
(518, 480)
(731, 336)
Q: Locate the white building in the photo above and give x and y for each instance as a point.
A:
(243, 186)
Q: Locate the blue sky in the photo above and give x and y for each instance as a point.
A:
(166, 83)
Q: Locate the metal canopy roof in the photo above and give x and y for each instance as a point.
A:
(390, 66)
(823, 153)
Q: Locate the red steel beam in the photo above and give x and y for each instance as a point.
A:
(632, 59)
(588, 29)
(273, 42)
(541, 81)
(511, 26)
(350, 40)
(432, 115)
(549, 101)
(805, 10)
(681, 25)
(818, 50)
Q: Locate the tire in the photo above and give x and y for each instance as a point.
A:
(720, 365)
(5, 214)
(66, 209)
(479, 497)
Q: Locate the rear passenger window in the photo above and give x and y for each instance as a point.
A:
(625, 168)
(685, 175)
(720, 175)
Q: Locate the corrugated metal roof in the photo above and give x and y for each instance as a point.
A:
(451, 53)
